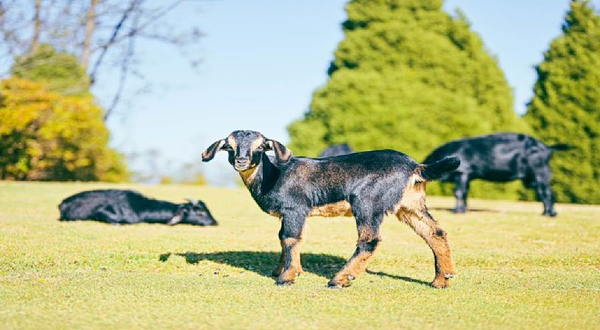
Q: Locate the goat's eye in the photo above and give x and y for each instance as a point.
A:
(227, 147)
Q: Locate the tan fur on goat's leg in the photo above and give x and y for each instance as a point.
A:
(292, 266)
(365, 247)
(279, 269)
(424, 225)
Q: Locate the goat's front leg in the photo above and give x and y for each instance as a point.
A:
(290, 237)
(279, 269)
(368, 239)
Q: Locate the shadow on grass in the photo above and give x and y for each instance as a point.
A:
(263, 263)
(402, 278)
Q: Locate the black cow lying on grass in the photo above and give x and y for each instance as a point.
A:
(499, 157)
(336, 150)
(366, 184)
(128, 207)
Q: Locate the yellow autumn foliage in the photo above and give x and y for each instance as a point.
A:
(49, 136)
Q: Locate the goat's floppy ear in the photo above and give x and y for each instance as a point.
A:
(282, 153)
(176, 218)
(210, 152)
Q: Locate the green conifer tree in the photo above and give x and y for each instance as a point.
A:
(566, 105)
(410, 77)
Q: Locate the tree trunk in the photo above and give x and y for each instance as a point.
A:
(90, 26)
(37, 26)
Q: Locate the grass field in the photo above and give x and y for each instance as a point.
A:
(516, 269)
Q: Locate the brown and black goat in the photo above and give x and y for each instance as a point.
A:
(367, 185)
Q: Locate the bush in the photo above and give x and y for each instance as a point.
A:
(49, 136)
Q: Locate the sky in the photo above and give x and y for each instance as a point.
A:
(262, 60)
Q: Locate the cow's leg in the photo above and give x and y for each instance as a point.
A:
(290, 237)
(461, 190)
(368, 239)
(426, 227)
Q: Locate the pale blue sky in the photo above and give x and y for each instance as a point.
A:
(262, 60)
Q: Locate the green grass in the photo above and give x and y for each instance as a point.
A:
(516, 269)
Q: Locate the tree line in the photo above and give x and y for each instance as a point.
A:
(409, 76)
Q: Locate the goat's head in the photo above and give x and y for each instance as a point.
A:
(193, 212)
(246, 149)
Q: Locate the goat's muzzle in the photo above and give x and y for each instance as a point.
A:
(241, 164)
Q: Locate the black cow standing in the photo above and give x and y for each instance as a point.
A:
(500, 157)
(336, 150)
(128, 207)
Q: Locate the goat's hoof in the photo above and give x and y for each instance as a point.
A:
(338, 283)
(286, 278)
(284, 281)
(440, 283)
(549, 214)
(459, 210)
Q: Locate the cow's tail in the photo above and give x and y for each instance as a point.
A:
(435, 170)
(560, 147)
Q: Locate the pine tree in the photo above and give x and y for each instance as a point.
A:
(566, 105)
(409, 77)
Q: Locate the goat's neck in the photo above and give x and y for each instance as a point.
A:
(261, 179)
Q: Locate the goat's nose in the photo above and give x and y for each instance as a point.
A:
(242, 163)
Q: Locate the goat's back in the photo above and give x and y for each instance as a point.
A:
(336, 150)
(83, 205)
(351, 166)
(496, 157)
(329, 180)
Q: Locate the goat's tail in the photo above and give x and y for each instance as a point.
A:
(435, 170)
(560, 147)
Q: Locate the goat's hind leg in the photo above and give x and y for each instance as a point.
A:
(424, 225)
(461, 190)
(368, 240)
